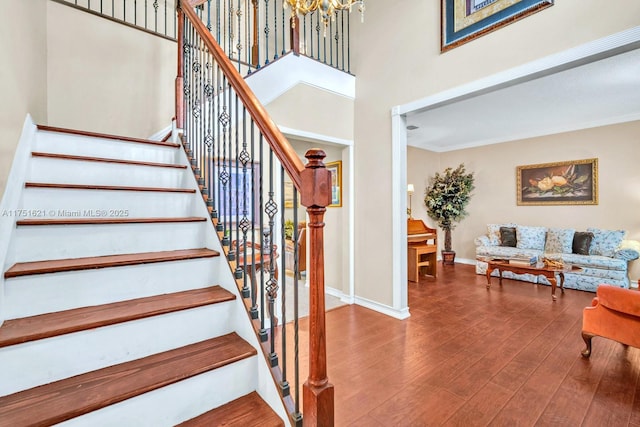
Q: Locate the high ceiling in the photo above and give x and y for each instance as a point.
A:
(597, 93)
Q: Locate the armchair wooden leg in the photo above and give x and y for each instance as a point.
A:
(587, 339)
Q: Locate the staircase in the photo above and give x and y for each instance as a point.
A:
(118, 308)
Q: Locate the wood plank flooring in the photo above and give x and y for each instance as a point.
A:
(509, 356)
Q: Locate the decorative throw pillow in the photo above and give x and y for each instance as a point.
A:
(530, 237)
(493, 232)
(605, 242)
(508, 236)
(582, 242)
(559, 240)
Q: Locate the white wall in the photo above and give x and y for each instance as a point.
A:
(396, 58)
(106, 77)
(336, 219)
(23, 74)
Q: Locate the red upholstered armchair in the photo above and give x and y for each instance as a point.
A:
(614, 314)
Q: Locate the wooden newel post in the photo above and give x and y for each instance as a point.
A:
(316, 195)
(294, 35)
(254, 48)
(179, 76)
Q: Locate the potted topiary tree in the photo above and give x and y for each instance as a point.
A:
(446, 198)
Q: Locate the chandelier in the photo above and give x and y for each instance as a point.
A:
(327, 8)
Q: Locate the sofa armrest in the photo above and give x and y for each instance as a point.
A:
(482, 241)
(626, 254)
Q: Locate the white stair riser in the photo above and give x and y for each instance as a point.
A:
(61, 143)
(68, 355)
(37, 243)
(177, 402)
(46, 293)
(61, 171)
(71, 203)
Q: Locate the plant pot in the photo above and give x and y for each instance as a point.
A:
(448, 257)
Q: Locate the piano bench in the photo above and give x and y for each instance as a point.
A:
(422, 257)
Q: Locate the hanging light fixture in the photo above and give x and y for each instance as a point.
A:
(327, 8)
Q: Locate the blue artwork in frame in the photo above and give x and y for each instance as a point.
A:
(465, 20)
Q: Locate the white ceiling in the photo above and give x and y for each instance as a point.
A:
(597, 93)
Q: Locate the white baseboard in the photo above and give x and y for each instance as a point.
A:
(382, 308)
(339, 294)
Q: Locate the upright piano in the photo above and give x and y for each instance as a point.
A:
(422, 244)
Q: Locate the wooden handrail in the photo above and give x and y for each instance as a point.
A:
(278, 143)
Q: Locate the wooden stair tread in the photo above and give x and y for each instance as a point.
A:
(246, 411)
(48, 325)
(114, 220)
(73, 264)
(105, 160)
(106, 136)
(71, 397)
(106, 187)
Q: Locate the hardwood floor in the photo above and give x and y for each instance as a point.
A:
(471, 357)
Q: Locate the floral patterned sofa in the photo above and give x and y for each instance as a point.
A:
(604, 255)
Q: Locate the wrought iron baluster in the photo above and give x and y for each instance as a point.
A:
(311, 35)
(135, 12)
(239, 45)
(275, 28)
(284, 384)
(245, 159)
(224, 173)
(266, 30)
(219, 154)
(197, 111)
(236, 189)
(254, 297)
(263, 332)
(209, 15)
(336, 37)
(165, 17)
(284, 46)
(215, 139)
(330, 44)
(209, 138)
(348, 48)
(155, 12)
(218, 39)
(324, 43)
(342, 26)
(317, 34)
(271, 209)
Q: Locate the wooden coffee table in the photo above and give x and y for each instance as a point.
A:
(537, 269)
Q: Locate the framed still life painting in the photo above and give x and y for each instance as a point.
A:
(465, 20)
(562, 183)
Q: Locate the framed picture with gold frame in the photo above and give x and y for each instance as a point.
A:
(288, 194)
(572, 182)
(336, 183)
